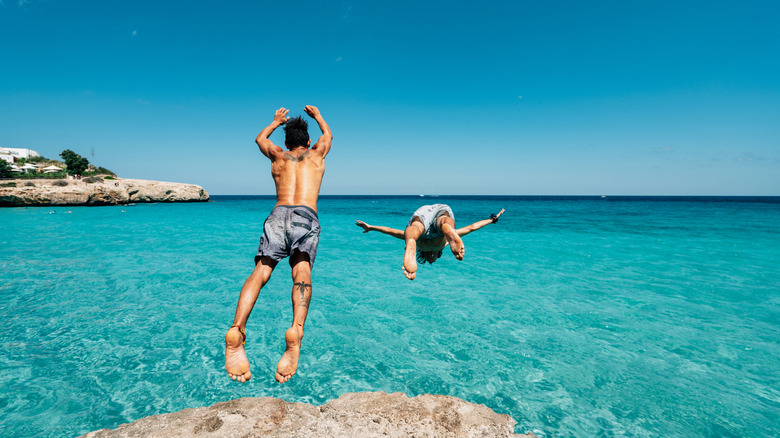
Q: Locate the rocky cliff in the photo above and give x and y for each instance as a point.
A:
(365, 414)
(46, 192)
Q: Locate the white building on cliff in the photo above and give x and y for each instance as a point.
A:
(13, 154)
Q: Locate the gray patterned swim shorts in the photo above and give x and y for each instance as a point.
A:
(428, 215)
(287, 228)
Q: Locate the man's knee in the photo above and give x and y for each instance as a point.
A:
(414, 230)
(263, 269)
(445, 219)
(301, 266)
(301, 275)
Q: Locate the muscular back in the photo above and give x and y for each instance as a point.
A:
(297, 172)
(298, 176)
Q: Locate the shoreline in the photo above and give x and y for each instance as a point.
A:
(119, 191)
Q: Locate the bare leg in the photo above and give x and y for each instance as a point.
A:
(411, 234)
(447, 225)
(236, 363)
(301, 297)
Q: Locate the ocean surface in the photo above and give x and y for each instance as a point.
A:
(577, 316)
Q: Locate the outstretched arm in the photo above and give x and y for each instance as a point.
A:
(385, 230)
(266, 145)
(323, 144)
(477, 225)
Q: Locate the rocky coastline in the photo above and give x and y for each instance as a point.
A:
(363, 414)
(94, 192)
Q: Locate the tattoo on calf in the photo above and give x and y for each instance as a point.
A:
(295, 159)
(302, 288)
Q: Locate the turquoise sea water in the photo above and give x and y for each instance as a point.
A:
(576, 316)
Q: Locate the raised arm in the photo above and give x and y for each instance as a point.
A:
(262, 140)
(323, 144)
(385, 230)
(477, 225)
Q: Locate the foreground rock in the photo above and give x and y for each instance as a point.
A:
(46, 192)
(364, 414)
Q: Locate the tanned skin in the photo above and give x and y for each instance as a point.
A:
(411, 235)
(297, 173)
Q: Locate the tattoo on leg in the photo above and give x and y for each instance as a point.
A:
(302, 288)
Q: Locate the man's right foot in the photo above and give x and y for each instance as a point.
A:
(455, 242)
(410, 260)
(288, 364)
(236, 363)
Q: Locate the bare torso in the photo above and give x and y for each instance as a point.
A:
(298, 176)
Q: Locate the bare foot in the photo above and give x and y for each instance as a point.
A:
(456, 243)
(410, 260)
(288, 364)
(236, 363)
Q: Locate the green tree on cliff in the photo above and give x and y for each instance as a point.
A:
(5, 169)
(75, 162)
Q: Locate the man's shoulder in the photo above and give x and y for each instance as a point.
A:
(319, 151)
(276, 154)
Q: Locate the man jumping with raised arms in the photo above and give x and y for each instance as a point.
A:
(292, 229)
(430, 229)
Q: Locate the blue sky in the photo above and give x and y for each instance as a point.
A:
(503, 97)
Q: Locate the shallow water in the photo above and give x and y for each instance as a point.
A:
(576, 316)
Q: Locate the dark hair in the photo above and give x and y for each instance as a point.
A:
(297, 132)
(428, 256)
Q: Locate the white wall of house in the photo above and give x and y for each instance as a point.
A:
(7, 157)
(19, 153)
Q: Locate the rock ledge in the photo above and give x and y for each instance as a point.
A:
(46, 192)
(364, 414)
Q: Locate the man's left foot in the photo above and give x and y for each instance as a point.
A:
(288, 364)
(236, 363)
(455, 242)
